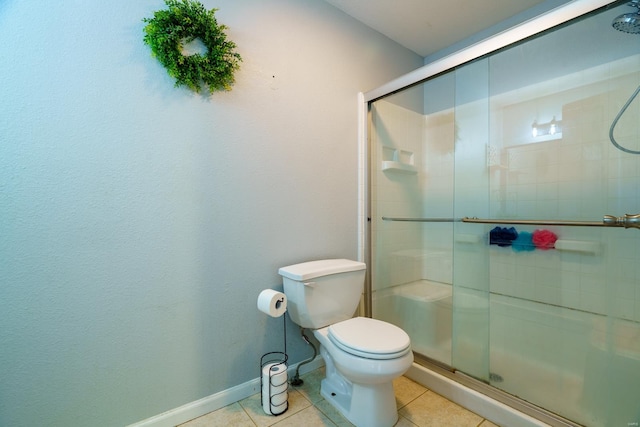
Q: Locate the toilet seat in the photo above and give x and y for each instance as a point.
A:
(370, 338)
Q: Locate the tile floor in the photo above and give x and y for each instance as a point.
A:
(417, 406)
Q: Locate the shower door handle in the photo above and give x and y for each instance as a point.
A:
(626, 221)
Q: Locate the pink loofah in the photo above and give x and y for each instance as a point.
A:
(544, 239)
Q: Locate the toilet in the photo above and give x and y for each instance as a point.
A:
(362, 356)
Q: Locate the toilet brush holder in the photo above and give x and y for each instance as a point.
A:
(274, 384)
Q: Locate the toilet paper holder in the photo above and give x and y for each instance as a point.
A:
(274, 382)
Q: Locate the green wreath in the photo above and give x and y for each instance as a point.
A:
(185, 21)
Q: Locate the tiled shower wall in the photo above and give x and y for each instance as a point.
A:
(579, 176)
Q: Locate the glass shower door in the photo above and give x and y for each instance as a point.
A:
(518, 139)
(564, 324)
(412, 158)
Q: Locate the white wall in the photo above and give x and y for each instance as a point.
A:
(140, 221)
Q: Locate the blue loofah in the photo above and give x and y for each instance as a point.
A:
(524, 242)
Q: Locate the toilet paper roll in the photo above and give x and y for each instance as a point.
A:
(272, 302)
(274, 388)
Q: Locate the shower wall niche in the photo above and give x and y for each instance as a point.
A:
(522, 133)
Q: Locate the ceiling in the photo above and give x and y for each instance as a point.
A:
(427, 26)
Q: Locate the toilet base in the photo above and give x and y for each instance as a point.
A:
(364, 405)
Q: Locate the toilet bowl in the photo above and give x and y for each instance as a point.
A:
(362, 356)
(360, 369)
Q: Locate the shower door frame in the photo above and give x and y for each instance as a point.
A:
(501, 40)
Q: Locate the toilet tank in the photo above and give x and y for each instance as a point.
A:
(320, 293)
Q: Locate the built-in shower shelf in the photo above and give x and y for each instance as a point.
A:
(581, 246)
(389, 165)
(398, 160)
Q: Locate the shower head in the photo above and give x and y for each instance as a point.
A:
(629, 22)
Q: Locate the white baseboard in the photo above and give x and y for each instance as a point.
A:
(216, 401)
(472, 400)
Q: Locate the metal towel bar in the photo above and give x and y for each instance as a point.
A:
(626, 221)
(385, 218)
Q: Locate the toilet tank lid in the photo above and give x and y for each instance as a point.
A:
(312, 269)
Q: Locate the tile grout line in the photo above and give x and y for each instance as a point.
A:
(415, 398)
(248, 414)
(323, 413)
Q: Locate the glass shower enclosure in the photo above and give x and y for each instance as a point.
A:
(488, 185)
